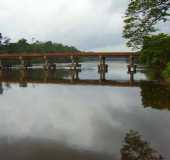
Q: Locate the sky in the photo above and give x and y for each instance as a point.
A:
(90, 25)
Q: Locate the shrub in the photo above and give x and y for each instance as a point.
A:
(166, 71)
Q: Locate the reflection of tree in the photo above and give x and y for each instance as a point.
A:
(135, 148)
(155, 95)
(1, 88)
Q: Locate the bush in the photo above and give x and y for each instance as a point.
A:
(156, 50)
(166, 72)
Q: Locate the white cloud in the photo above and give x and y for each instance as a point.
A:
(86, 24)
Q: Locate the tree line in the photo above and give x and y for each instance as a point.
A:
(141, 20)
(23, 45)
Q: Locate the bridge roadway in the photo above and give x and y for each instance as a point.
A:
(66, 54)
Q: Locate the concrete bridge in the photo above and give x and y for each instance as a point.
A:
(102, 66)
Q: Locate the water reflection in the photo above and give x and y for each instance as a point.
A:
(49, 119)
(133, 148)
(136, 148)
(153, 94)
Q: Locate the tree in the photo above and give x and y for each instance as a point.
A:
(156, 50)
(141, 18)
(135, 148)
(4, 40)
(1, 38)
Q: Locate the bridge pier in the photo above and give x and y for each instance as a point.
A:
(45, 63)
(102, 67)
(132, 68)
(74, 74)
(23, 82)
(74, 63)
(46, 75)
(1, 88)
(22, 63)
(1, 66)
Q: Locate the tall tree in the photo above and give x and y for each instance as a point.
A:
(141, 18)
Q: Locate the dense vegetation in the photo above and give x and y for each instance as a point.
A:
(39, 47)
(140, 20)
(155, 95)
(23, 46)
(156, 50)
(155, 54)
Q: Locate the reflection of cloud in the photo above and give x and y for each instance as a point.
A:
(84, 116)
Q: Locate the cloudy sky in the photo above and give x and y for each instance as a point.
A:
(87, 24)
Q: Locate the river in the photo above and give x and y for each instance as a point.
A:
(43, 120)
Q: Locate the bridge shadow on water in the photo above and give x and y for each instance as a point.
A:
(153, 94)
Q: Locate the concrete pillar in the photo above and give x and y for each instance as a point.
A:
(46, 74)
(131, 68)
(74, 63)
(102, 68)
(22, 63)
(74, 75)
(1, 67)
(23, 82)
(45, 63)
(1, 88)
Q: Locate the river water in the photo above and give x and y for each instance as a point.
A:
(41, 120)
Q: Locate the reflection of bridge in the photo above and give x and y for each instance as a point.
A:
(102, 67)
(75, 82)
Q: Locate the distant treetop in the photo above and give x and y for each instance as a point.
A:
(23, 45)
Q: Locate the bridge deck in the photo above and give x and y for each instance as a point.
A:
(65, 54)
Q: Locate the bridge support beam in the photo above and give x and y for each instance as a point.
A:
(1, 88)
(74, 75)
(23, 75)
(45, 63)
(46, 75)
(75, 63)
(131, 68)
(22, 63)
(102, 67)
(1, 67)
(75, 68)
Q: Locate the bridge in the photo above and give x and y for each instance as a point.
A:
(29, 56)
(75, 64)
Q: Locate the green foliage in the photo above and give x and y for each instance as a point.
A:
(166, 72)
(135, 148)
(23, 46)
(156, 50)
(141, 17)
(3, 40)
(155, 95)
